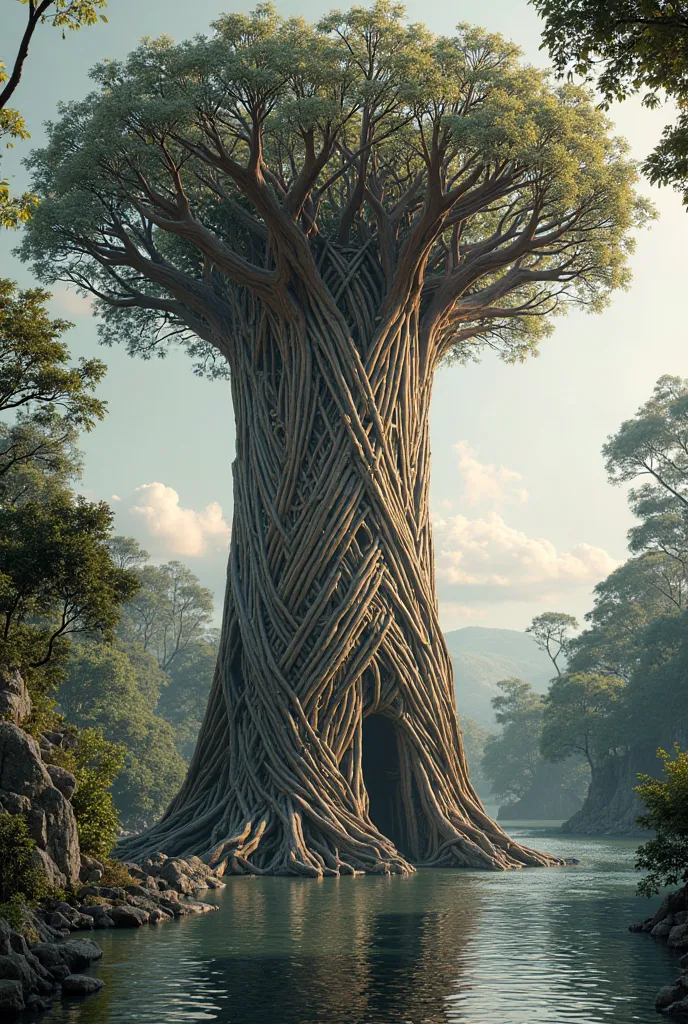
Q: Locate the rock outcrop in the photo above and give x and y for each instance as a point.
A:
(30, 977)
(184, 875)
(612, 805)
(670, 925)
(27, 788)
(15, 702)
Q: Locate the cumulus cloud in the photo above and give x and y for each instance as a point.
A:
(175, 530)
(484, 482)
(487, 557)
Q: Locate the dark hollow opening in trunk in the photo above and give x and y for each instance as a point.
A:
(381, 774)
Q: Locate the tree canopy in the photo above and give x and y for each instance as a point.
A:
(56, 577)
(171, 612)
(511, 757)
(550, 631)
(116, 689)
(61, 14)
(627, 46)
(577, 712)
(44, 399)
(233, 168)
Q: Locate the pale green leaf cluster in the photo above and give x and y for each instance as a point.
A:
(294, 101)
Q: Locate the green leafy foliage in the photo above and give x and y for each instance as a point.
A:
(550, 631)
(512, 756)
(655, 700)
(184, 699)
(95, 763)
(665, 857)
(56, 577)
(116, 689)
(115, 874)
(44, 400)
(34, 361)
(475, 739)
(62, 14)
(629, 46)
(513, 762)
(170, 612)
(578, 715)
(207, 144)
(21, 880)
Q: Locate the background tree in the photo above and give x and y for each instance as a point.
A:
(62, 14)
(116, 691)
(513, 761)
(475, 738)
(95, 763)
(627, 46)
(56, 580)
(578, 709)
(551, 634)
(44, 400)
(511, 758)
(185, 697)
(330, 211)
(170, 612)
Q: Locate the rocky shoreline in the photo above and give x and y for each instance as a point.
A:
(670, 925)
(40, 960)
(43, 962)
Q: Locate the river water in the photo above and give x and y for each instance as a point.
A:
(440, 947)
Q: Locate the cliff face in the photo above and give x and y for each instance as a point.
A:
(612, 804)
(40, 792)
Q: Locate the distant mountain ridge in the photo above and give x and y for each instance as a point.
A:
(482, 657)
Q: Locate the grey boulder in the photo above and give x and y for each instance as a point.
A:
(15, 702)
(62, 780)
(81, 985)
(26, 787)
(11, 999)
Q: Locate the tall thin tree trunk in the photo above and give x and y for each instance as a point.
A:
(331, 618)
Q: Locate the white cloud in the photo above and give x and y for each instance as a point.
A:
(70, 303)
(115, 497)
(485, 482)
(175, 530)
(454, 610)
(487, 557)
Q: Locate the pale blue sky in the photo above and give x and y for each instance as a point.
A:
(503, 556)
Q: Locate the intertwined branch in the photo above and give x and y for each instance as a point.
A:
(329, 211)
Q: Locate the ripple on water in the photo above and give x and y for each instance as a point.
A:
(441, 947)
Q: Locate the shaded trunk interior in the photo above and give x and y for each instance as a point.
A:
(381, 775)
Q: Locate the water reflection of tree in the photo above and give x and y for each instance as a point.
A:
(348, 952)
(290, 951)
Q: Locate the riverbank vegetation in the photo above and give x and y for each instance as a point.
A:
(619, 693)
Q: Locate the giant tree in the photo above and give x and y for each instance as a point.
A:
(330, 211)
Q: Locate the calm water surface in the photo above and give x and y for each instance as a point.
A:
(441, 947)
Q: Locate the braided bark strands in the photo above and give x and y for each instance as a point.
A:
(331, 610)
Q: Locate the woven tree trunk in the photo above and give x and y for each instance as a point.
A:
(331, 618)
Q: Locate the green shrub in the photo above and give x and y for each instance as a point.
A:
(116, 875)
(665, 857)
(94, 762)
(20, 880)
(13, 913)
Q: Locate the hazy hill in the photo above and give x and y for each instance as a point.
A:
(483, 656)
